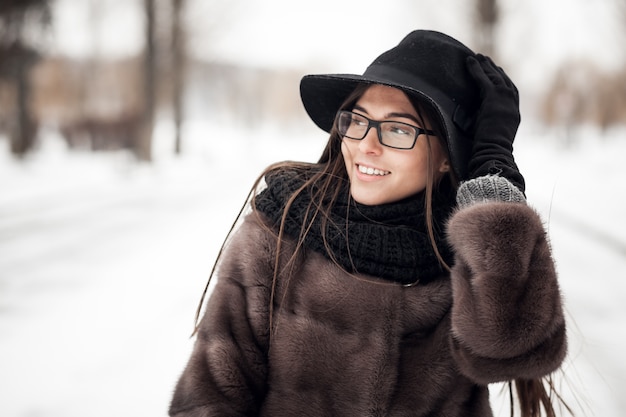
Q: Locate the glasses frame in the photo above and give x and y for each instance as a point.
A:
(376, 124)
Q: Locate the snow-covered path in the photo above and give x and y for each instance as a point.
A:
(102, 263)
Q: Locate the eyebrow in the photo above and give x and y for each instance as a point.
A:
(392, 114)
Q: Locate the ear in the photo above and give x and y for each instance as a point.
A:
(444, 166)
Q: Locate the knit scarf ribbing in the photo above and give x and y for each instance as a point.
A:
(388, 241)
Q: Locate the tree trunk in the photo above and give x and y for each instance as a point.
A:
(487, 16)
(178, 69)
(144, 147)
(24, 127)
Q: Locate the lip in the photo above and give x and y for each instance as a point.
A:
(369, 177)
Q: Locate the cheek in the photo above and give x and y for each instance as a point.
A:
(415, 171)
(417, 164)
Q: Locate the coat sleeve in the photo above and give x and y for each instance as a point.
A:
(507, 316)
(226, 373)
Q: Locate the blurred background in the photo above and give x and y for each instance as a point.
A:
(131, 131)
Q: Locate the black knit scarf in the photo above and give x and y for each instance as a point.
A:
(388, 241)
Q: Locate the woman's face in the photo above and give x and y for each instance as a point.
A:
(379, 174)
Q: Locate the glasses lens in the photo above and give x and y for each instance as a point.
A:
(351, 125)
(398, 135)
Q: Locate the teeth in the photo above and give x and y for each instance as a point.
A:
(372, 171)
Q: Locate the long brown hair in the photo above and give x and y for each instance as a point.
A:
(322, 177)
(326, 174)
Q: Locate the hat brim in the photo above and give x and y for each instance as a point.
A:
(322, 96)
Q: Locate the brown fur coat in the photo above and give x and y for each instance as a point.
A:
(356, 346)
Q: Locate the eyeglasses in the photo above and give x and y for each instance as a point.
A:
(396, 135)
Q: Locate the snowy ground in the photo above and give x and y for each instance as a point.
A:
(102, 262)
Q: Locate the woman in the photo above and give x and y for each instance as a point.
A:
(369, 283)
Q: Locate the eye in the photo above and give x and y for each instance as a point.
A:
(358, 121)
(400, 129)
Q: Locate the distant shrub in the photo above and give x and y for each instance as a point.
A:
(583, 94)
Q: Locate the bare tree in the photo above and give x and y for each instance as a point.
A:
(487, 16)
(18, 54)
(178, 68)
(144, 147)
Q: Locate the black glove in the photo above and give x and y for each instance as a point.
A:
(496, 122)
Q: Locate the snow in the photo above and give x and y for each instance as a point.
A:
(103, 260)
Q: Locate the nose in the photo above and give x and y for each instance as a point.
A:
(370, 143)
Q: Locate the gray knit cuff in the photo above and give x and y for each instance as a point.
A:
(488, 188)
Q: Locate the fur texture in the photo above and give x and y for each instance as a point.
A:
(507, 306)
(348, 345)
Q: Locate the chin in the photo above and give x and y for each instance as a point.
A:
(368, 199)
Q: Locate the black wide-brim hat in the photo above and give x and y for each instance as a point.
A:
(427, 65)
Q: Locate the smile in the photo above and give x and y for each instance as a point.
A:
(372, 171)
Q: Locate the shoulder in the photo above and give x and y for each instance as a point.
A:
(253, 232)
(250, 250)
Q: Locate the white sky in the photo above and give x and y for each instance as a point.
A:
(310, 33)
